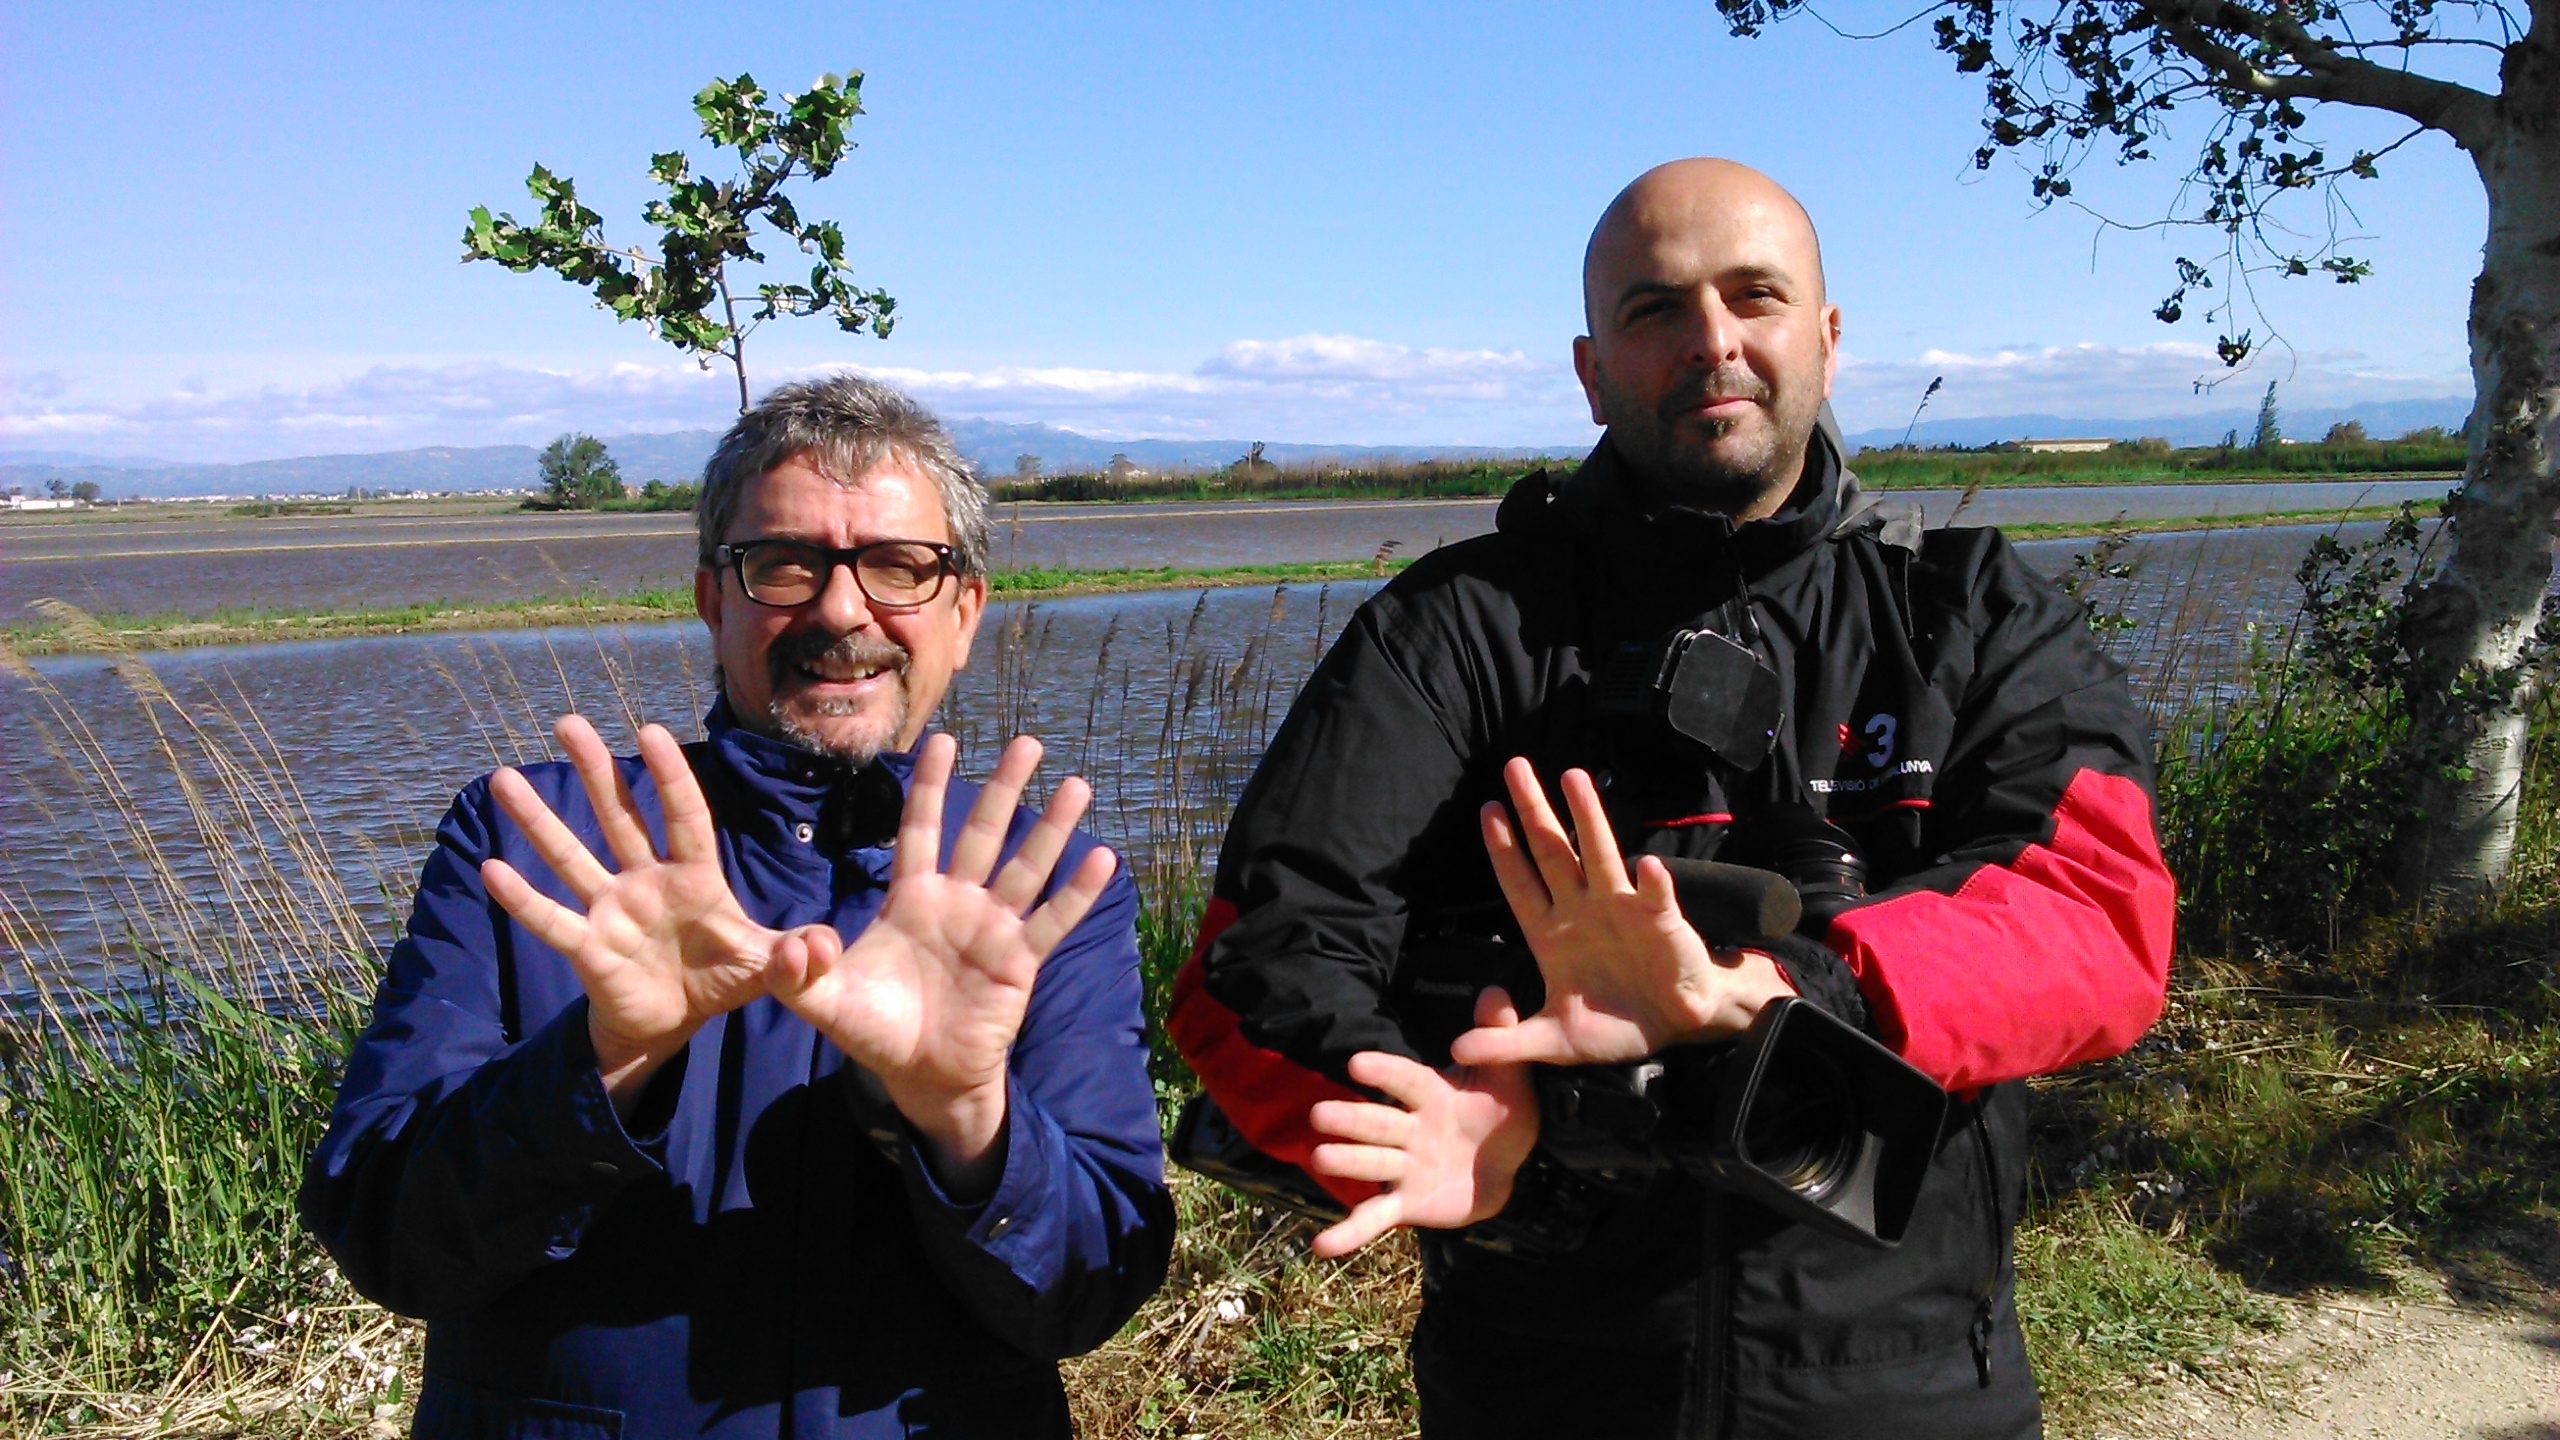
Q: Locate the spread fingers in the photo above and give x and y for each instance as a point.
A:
(981, 838)
(1549, 847)
(549, 921)
(1377, 1164)
(559, 847)
(617, 814)
(1362, 1122)
(920, 823)
(1601, 863)
(1019, 882)
(1372, 1218)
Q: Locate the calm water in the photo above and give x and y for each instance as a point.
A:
(292, 564)
(1161, 700)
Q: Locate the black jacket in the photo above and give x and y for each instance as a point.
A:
(1941, 701)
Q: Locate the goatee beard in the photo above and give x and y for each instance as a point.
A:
(1678, 473)
(788, 657)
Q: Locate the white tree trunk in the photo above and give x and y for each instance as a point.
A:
(2480, 614)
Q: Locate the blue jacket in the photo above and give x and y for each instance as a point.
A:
(759, 1251)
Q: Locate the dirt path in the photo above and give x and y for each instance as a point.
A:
(2364, 1369)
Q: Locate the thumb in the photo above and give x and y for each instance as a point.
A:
(1494, 1010)
(802, 958)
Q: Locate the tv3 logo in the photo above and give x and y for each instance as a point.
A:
(1881, 732)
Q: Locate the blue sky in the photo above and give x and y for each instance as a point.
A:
(231, 232)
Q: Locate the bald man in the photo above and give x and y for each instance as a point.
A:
(1443, 891)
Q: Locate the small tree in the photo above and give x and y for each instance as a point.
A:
(704, 225)
(2270, 431)
(577, 472)
(86, 492)
(2344, 434)
(1027, 468)
(58, 488)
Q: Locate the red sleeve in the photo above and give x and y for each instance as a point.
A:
(1265, 1095)
(2059, 956)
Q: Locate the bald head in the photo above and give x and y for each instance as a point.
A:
(1711, 344)
(1686, 203)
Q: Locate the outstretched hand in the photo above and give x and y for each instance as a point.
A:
(1626, 974)
(1448, 1156)
(930, 996)
(663, 945)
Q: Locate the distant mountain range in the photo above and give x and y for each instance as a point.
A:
(993, 447)
(672, 456)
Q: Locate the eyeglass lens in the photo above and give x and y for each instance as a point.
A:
(893, 572)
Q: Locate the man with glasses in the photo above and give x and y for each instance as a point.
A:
(1398, 889)
(778, 1084)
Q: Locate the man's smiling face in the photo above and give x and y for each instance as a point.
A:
(1711, 347)
(839, 675)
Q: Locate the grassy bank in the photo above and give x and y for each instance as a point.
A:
(2336, 1092)
(2421, 455)
(148, 632)
(249, 627)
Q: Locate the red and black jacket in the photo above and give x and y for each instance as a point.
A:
(1943, 703)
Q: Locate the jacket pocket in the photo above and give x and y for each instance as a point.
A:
(451, 1410)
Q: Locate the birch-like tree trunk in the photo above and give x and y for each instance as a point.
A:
(2479, 616)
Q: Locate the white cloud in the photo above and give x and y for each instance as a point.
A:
(1336, 388)
(383, 407)
(2090, 381)
(1344, 389)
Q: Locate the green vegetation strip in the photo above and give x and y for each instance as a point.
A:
(2077, 529)
(238, 628)
(640, 606)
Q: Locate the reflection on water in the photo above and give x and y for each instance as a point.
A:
(1162, 701)
(349, 751)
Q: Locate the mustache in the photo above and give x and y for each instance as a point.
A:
(1725, 382)
(812, 648)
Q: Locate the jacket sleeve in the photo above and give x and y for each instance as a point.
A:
(1298, 944)
(462, 1155)
(2037, 936)
(1079, 1228)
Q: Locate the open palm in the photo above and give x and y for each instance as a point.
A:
(1448, 1150)
(663, 944)
(930, 996)
(1626, 974)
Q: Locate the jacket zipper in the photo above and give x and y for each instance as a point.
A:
(1981, 1331)
(1703, 1399)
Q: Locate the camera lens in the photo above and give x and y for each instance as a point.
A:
(1802, 1129)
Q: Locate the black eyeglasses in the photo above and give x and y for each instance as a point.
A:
(897, 574)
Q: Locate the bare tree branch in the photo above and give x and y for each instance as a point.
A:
(2325, 74)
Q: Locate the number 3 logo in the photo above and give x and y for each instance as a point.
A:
(1881, 730)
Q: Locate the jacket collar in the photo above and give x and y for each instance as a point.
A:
(1603, 499)
(772, 787)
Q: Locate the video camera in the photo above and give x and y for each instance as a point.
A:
(1803, 1113)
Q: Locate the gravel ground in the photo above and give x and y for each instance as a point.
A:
(2376, 1369)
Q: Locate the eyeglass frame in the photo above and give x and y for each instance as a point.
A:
(733, 558)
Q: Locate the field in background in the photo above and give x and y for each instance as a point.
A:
(2127, 462)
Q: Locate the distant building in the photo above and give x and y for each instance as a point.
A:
(2065, 447)
(21, 502)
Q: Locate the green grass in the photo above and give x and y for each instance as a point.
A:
(2109, 1302)
(2128, 463)
(243, 626)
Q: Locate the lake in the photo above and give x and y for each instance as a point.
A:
(295, 564)
(319, 769)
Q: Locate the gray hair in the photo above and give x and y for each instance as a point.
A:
(848, 425)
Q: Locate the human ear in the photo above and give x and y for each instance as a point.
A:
(1586, 368)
